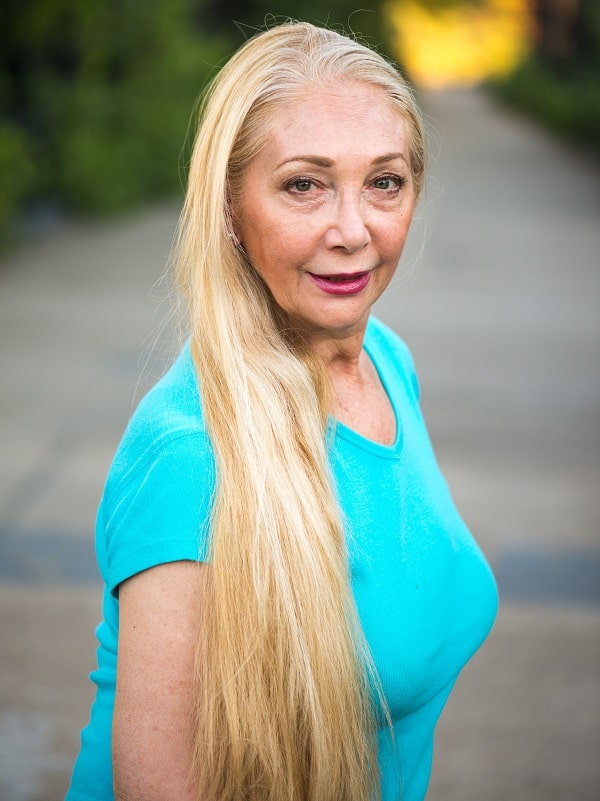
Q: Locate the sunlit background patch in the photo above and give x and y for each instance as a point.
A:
(446, 44)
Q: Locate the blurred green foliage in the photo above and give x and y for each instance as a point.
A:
(361, 18)
(96, 95)
(17, 173)
(560, 82)
(95, 98)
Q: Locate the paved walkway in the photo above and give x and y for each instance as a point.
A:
(498, 298)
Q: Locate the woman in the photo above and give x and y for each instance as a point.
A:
(289, 588)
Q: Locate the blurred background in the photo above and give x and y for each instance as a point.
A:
(95, 96)
(498, 296)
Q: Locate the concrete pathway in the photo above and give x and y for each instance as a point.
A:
(499, 299)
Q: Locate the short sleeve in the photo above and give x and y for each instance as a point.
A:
(157, 507)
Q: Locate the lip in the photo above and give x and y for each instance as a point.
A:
(342, 283)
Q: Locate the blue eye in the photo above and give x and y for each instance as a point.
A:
(388, 182)
(301, 185)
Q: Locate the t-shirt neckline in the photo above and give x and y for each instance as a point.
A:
(392, 451)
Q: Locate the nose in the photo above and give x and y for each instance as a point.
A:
(348, 229)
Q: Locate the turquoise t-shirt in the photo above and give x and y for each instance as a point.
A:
(425, 595)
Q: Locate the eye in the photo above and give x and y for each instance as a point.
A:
(388, 183)
(299, 185)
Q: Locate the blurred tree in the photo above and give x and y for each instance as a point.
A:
(364, 19)
(446, 43)
(568, 33)
(559, 29)
(560, 82)
(440, 5)
(95, 99)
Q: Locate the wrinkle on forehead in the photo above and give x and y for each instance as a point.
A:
(332, 114)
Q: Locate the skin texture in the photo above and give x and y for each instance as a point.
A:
(152, 724)
(329, 195)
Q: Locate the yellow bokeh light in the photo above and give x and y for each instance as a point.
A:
(459, 45)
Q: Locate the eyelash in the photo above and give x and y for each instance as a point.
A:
(292, 184)
(397, 179)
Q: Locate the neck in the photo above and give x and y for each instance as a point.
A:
(351, 375)
(342, 356)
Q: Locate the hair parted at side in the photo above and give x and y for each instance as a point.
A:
(287, 699)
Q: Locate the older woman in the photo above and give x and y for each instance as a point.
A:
(290, 592)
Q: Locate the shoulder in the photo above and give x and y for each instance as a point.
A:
(158, 496)
(168, 421)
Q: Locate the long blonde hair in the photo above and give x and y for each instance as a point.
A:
(285, 683)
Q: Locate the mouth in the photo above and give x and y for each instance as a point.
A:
(342, 283)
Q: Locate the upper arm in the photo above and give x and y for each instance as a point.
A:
(159, 611)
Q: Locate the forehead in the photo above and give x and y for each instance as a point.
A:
(343, 114)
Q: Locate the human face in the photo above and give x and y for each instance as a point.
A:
(326, 206)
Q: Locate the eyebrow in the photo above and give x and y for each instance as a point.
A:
(390, 157)
(320, 161)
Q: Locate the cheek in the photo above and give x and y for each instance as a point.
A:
(261, 231)
(270, 257)
(394, 236)
(276, 248)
